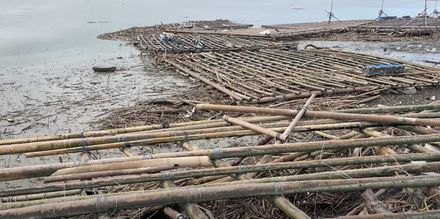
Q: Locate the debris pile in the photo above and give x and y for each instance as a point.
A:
(255, 156)
(132, 33)
(284, 31)
(185, 43)
(369, 160)
(400, 29)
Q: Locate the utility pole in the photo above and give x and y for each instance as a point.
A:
(425, 12)
(331, 14)
(381, 11)
(435, 13)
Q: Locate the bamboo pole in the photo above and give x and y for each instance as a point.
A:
(382, 119)
(166, 126)
(177, 126)
(269, 166)
(200, 194)
(290, 128)
(173, 214)
(416, 168)
(252, 127)
(193, 129)
(154, 164)
(308, 94)
(193, 210)
(393, 109)
(281, 202)
(33, 171)
(208, 124)
(40, 196)
(295, 121)
(131, 153)
(288, 207)
(21, 204)
(286, 133)
(244, 152)
(232, 94)
(410, 168)
(413, 147)
(372, 203)
(182, 137)
(218, 171)
(302, 147)
(430, 214)
(131, 171)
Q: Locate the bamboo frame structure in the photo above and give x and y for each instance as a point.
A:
(270, 74)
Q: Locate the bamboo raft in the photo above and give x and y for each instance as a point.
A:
(418, 22)
(269, 74)
(283, 31)
(319, 25)
(362, 157)
(131, 34)
(393, 29)
(185, 43)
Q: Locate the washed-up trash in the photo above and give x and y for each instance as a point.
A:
(197, 42)
(383, 69)
(265, 32)
(386, 18)
(104, 68)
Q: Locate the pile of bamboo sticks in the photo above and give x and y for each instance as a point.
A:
(391, 30)
(295, 31)
(131, 34)
(191, 43)
(359, 156)
(403, 23)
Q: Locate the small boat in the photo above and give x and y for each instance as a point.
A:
(104, 68)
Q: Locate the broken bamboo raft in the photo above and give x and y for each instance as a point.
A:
(168, 43)
(353, 151)
(273, 74)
